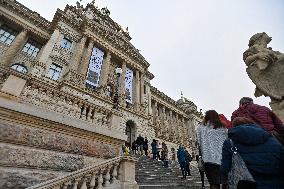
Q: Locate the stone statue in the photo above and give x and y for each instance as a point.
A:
(266, 70)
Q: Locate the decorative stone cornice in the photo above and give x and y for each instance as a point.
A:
(26, 13)
(103, 27)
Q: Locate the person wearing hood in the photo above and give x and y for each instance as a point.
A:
(210, 138)
(262, 153)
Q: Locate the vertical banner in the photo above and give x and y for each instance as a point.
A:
(128, 84)
(95, 66)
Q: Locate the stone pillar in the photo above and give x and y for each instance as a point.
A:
(77, 54)
(142, 88)
(121, 89)
(83, 67)
(149, 99)
(137, 89)
(47, 49)
(14, 48)
(127, 173)
(105, 70)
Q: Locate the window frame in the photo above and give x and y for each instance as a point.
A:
(19, 65)
(66, 42)
(56, 74)
(31, 45)
(7, 34)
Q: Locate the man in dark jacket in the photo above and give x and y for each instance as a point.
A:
(188, 160)
(262, 116)
(140, 143)
(262, 153)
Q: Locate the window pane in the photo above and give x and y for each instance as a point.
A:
(7, 34)
(3, 39)
(1, 31)
(12, 37)
(25, 49)
(56, 75)
(8, 42)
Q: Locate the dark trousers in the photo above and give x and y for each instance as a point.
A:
(146, 152)
(183, 168)
(202, 177)
(187, 168)
(154, 155)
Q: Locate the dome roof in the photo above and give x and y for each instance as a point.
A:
(185, 103)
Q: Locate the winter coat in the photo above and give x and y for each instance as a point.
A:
(181, 156)
(210, 142)
(154, 147)
(261, 115)
(262, 153)
(140, 140)
(145, 145)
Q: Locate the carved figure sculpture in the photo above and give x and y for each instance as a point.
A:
(266, 70)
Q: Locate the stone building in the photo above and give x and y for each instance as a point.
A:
(74, 90)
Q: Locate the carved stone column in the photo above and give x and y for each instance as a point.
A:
(47, 49)
(137, 89)
(142, 88)
(105, 70)
(78, 51)
(14, 47)
(83, 67)
(121, 89)
(149, 99)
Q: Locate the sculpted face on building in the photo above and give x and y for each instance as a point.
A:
(65, 72)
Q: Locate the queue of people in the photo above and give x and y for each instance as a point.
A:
(256, 135)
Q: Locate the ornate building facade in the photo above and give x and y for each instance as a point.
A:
(74, 90)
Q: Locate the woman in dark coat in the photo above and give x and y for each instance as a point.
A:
(262, 153)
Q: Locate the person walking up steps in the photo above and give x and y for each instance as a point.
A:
(182, 161)
(262, 116)
(154, 148)
(188, 160)
(145, 146)
(211, 136)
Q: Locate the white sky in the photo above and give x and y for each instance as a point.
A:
(193, 46)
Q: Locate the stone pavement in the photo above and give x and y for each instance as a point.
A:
(151, 174)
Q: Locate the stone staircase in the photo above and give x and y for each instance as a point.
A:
(151, 174)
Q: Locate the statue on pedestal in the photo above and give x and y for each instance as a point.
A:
(266, 70)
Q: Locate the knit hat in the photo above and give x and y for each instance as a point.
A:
(246, 100)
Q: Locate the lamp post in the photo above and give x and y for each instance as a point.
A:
(118, 72)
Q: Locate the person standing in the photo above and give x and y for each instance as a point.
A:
(134, 147)
(159, 149)
(145, 146)
(140, 142)
(201, 170)
(164, 154)
(262, 116)
(182, 161)
(154, 148)
(262, 153)
(211, 136)
(188, 160)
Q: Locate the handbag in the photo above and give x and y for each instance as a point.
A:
(239, 176)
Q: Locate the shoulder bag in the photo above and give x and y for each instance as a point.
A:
(239, 176)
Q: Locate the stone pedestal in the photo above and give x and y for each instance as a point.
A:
(127, 171)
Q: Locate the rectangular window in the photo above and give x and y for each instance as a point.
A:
(66, 43)
(95, 66)
(54, 72)
(31, 48)
(7, 35)
(128, 84)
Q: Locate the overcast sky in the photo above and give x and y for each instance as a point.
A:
(193, 46)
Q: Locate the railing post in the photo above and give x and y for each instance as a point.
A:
(93, 181)
(127, 173)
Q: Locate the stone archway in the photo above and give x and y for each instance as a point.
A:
(130, 131)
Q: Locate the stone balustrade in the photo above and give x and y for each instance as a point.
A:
(116, 173)
(66, 104)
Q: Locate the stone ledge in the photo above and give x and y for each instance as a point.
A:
(47, 114)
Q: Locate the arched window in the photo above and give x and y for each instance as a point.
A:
(20, 68)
